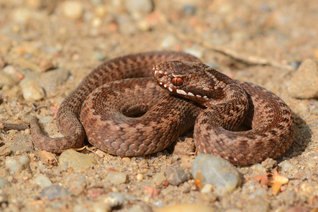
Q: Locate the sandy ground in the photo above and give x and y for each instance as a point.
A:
(257, 41)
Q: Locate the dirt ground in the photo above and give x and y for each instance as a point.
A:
(262, 42)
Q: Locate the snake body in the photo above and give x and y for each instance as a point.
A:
(135, 117)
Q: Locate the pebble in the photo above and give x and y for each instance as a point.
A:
(46, 119)
(53, 192)
(169, 41)
(126, 25)
(12, 72)
(216, 171)
(51, 80)
(117, 177)
(186, 208)
(176, 175)
(115, 199)
(138, 8)
(258, 203)
(207, 188)
(303, 83)
(158, 178)
(3, 183)
(189, 9)
(17, 165)
(99, 56)
(76, 183)
(269, 164)
(24, 161)
(101, 207)
(36, 4)
(73, 9)
(139, 177)
(31, 90)
(289, 197)
(259, 192)
(195, 51)
(140, 207)
(42, 181)
(76, 160)
(287, 166)
(6, 79)
(21, 15)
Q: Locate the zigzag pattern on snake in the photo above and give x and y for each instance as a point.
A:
(135, 117)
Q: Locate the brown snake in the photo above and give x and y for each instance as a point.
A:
(135, 117)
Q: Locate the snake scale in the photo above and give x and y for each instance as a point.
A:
(136, 117)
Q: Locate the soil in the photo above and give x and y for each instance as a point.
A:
(262, 42)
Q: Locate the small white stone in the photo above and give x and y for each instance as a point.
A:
(46, 119)
(169, 41)
(42, 181)
(138, 8)
(207, 188)
(117, 177)
(158, 178)
(139, 177)
(24, 161)
(101, 207)
(13, 164)
(31, 90)
(73, 9)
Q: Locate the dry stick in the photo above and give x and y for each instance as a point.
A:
(11, 126)
(252, 60)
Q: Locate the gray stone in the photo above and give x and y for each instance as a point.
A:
(3, 183)
(51, 80)
(304, 81)
(117, 177)
(42, 181)
(176, 175)
(53, 192)
(217, 172)
(138, 8)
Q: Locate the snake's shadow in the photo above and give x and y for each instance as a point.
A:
(303, 137)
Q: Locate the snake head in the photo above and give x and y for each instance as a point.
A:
(191, 80)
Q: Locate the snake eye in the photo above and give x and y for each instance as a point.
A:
(177, 81)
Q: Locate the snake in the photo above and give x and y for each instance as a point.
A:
(139, 104)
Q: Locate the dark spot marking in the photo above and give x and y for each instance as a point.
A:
(272, 140)
(273, 132)
(204, 121)
(285, 120)
(250, 136)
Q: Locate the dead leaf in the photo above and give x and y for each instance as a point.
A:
(48, 158)
(263, 179)
(277, 182)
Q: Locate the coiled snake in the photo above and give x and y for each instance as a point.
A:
(135, 117)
